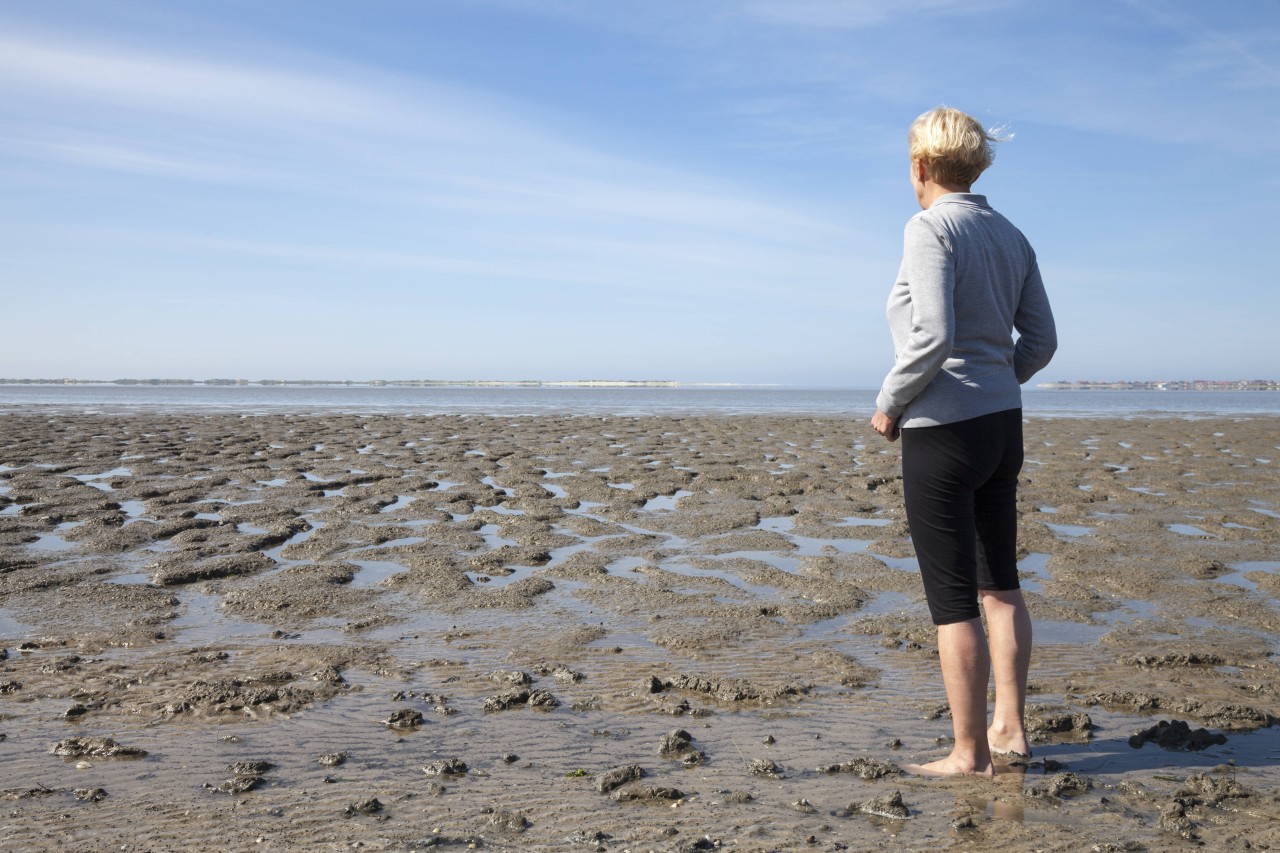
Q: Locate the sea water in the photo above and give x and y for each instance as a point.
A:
(505, 400)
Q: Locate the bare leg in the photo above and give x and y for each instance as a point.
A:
(966, 668)
(1009, 626)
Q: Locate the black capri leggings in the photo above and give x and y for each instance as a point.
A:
(960, 481)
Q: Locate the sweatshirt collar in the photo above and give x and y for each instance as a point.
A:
(962, 198)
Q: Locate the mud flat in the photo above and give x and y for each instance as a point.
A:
(607, 633)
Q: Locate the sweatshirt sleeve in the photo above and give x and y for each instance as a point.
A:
(927, 286)
(1037, 334)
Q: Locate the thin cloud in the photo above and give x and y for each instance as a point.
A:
(405, 138)
(858, 14)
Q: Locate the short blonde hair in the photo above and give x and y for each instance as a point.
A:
(953, 147)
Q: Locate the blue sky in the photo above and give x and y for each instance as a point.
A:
(561, 189)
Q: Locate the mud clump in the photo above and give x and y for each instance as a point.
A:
(1225, 715)
(1059, 786)
(176, 574)
(1174, 821)
(371, 806)
(540, 699)
(1177, 734)
(507, 821)
(95, 747)
(618, 777)
(1204, 790)
(446, 767)
(1043, 725)
(649, 794)
(678, 743)
(405, 718)
(1174, 659)
(863, 767)
(727, 690)
(250, 697)
(765, 767)
(887, 806)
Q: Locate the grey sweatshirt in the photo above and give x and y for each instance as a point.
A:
(968, 279)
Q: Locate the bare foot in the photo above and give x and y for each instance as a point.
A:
(1008, 742)
(949, 766)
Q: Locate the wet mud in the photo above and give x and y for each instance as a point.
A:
(665, 633)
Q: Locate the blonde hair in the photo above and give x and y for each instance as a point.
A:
(953, 147)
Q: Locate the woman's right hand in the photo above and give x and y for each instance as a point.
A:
(886, 426)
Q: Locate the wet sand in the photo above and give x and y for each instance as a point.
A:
(608, 633)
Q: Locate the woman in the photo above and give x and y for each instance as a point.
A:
(968, 279)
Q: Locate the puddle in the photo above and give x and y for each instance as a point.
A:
(1130, 610)
(1034, 564)
(209, 516)
(250, 529)
(373, 572)
(856, 521)
(781, 524)
(494, 539)
(202, 621)
(1051, 632)
(1191, 530)
(493, 484)
(664, 502)
(556, 491)
(50, 542)
(679, 567)
(902, 564)
(401, 502)
(303, 536)
(1051, 510)
(114, 472)
(1237, 578)
(392, 543)
(889, 602)
(789, 564)
(131, 579)
(1070, 530)
(133, 509)
(624, 486)
(11, 627)
(278, 481)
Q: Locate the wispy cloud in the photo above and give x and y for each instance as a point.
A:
(417, 140)
(858, 14)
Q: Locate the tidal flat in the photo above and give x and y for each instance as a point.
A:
(399, 632)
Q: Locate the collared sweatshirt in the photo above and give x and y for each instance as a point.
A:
(968, 280)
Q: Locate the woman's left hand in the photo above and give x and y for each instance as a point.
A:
(886, 426)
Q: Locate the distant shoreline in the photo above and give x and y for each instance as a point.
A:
(400, 383)
(1166, 385)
